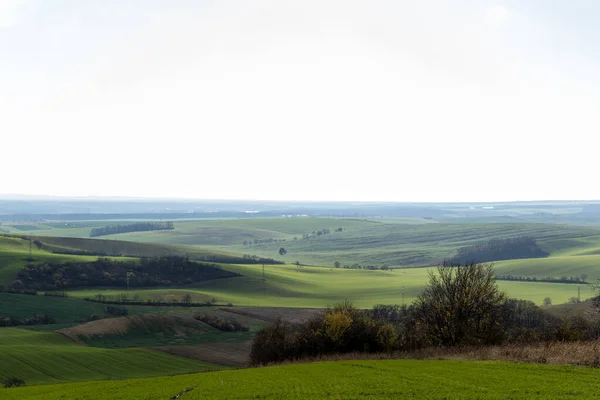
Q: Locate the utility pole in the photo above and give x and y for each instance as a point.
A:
(578, 294)
(402, 296)
(264, 281)
(127, 275)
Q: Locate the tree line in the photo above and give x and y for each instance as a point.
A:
(262, 241)
(305, 236)
(136, 227)
(155, 271)
(500, 249)
(37, 319)
(124, 299)
(563, 279)
(318, 233)
(252, 259)
(337, 264)
(461, 306)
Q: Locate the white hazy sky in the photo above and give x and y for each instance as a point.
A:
(427, 100)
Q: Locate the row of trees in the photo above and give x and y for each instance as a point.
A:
(305, 236)
(562, 279)
(315, 234)
(136, 227)
(252, 259)
(500, 249)
(337, 264)
(156, 271)
(461, 306)
(37, 319)
(262, 241)
(125, 299)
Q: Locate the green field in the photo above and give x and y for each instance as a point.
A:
(68, 310)
(363, 242)
(347, 379)
(290, 286)
(392, 242)
(42, 357)
(574, 251)
(62, 309)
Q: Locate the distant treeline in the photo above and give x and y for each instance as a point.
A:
(500, 249)
(37, 319)
(137, 227)
(124, 299)
(156, 271)
(226, 259)
(563, 279)
(262, 241)
(316, 234)
(366, 267)
(252, 259)
(12, 290)
(321, 232)
(305, 236)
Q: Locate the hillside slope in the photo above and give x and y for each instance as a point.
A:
(40, 357)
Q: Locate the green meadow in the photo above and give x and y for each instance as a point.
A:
(292, 286)
(67, 310)
(395, 242)
(47, 357)
(346, 379)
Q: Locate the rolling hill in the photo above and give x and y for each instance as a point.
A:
(43, 357)
(291, 286)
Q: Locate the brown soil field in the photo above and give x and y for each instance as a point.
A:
(271, 314)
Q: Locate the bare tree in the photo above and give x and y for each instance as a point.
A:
(462, 305)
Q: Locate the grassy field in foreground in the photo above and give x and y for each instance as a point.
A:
(347, 379)
(41, 358)
(290, 286)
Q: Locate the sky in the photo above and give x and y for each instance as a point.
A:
(379, 100)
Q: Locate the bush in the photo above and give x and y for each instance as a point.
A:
(13, 382)
(341, 329)
(225, 325)
(116, 311)
(92, 317)
(271, 344)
